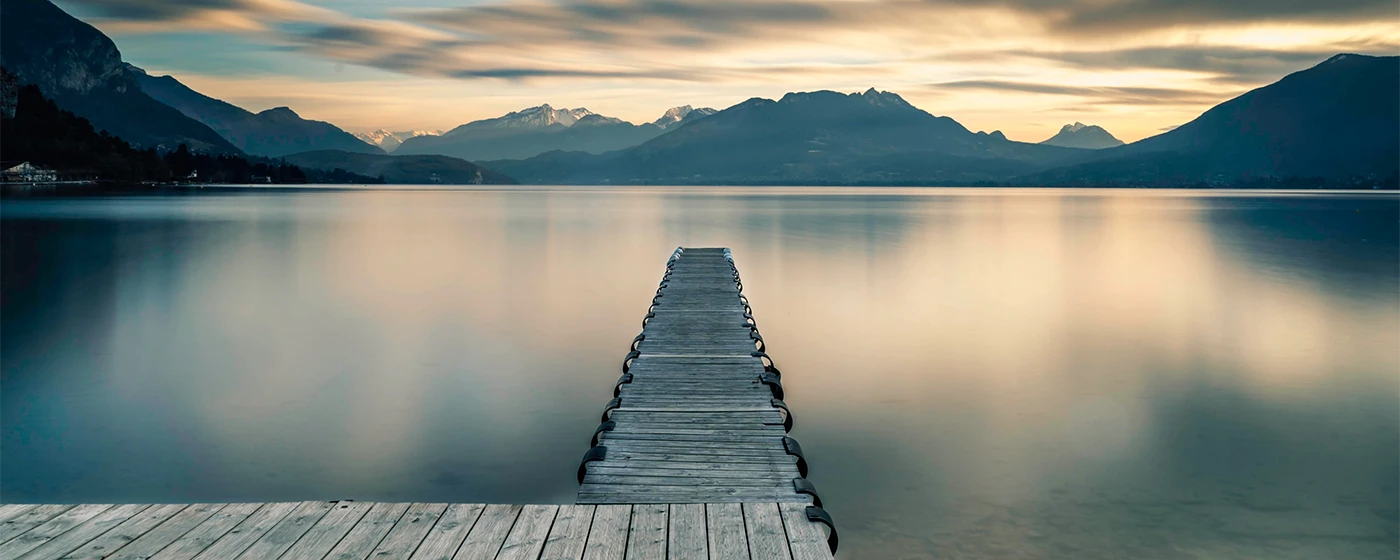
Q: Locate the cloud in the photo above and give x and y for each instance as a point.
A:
(1103, 95)
(1236, 63)
(698, 40)
(239, 16)
(1145, 63)
(1127, 16)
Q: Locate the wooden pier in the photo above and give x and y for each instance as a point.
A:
(692, 461)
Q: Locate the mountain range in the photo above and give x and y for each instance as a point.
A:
(821, 137)
(274, 132)
(1080, 135)
(389, 141)
(404, 170)
(1334, 121)
(536, 130)
(80, 69)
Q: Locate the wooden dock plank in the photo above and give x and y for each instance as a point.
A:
(728, 539)
(764, 524)
(160, 536)
(8, 511)
(647, 537)
(50, 529)
(287, 531)
(686, 538)
(527, 537)
(207, 533)
(446, 536)
(366, 534)
(490, 531)
(84, 532)
(29, 519)
(608, 538)
(806, 540)
(327, 532)
(248, 531)
(410, 530)
(569, 534)
(126, 532)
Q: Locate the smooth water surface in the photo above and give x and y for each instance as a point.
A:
(974, 373)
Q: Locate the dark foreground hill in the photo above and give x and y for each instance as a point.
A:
(1337, 121)
(34, 129)
(274, 132)
(407, 170)
(81, 70)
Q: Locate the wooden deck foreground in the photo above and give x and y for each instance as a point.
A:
(385, 531)
(692, 461)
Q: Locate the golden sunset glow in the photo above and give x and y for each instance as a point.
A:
(1135, 67)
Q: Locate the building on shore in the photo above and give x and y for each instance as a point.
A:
(25, 172)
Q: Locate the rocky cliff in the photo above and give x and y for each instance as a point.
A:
(9, 94)
(81, 70)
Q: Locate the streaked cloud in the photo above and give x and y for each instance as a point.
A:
(1129, 64)
(1132, 96)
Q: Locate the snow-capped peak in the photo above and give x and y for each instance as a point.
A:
(1076, 127)
(390, 140)
(678, 115)
(672, 116)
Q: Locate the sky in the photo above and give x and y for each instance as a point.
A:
(1025, 67)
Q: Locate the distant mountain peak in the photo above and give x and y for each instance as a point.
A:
(539, 116)
(884, 98)
(280, 112)
(1080, 135)
(683, 113)
(594, 119)
(388, 141)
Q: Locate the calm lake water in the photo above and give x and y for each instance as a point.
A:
(974, 373)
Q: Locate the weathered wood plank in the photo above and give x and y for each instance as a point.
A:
(327, 532)
(728, 539)
(569, 534)
(8, 511)
(248, 531)
(207, 533)
(404, 538)
(160, 536)
(686, 538)
(489, 533)
(447, 535)
(368, 532)
(50, 529)
(806, 540)
(276, 541)
(647, 538)
(607, 540)
(88, 530)
(764, 524)
(755, 480)
(124, 533)
(788, 472)
(527, 537)
(751, 446)
(29, 519)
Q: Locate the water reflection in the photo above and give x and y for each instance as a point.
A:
(976, 374)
